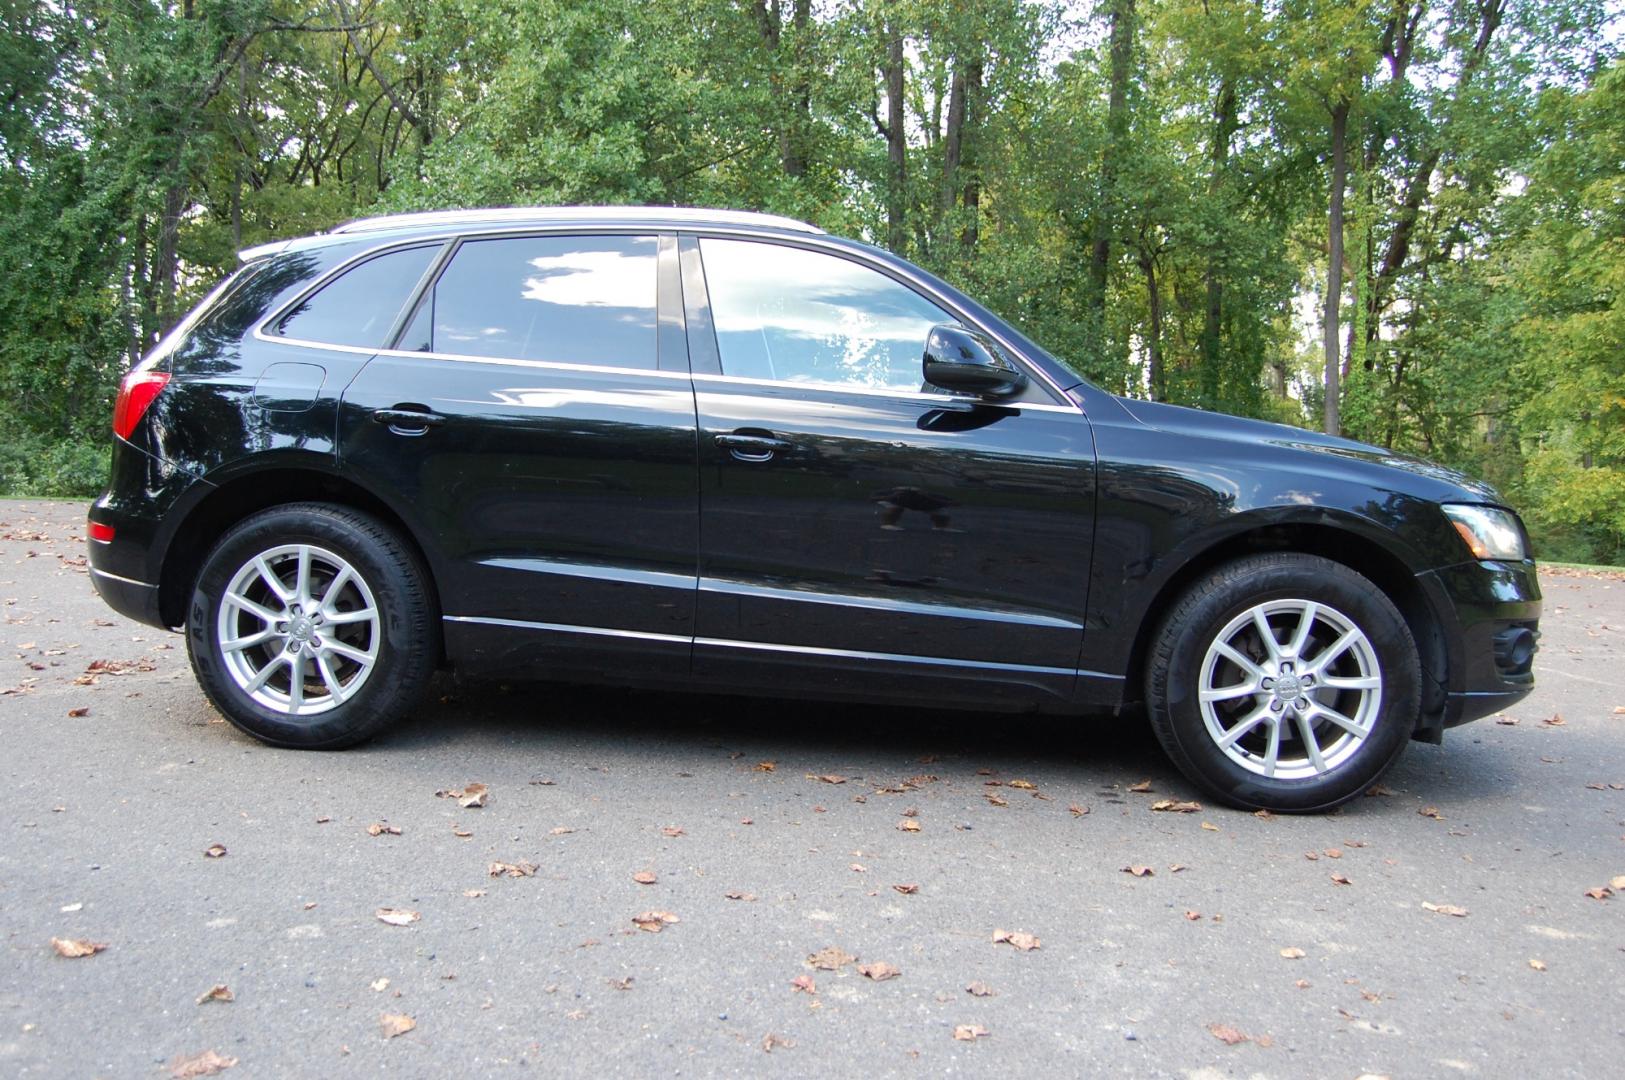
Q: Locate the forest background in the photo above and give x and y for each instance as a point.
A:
(1399, 220)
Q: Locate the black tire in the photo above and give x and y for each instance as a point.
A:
(1179, 652)
(403, 639)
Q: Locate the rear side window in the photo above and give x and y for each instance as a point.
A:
(562, 299)
(360, 305)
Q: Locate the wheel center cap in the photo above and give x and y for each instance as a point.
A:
(299, 628)
(1288, 687)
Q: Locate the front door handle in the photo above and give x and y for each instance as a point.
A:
(749, 447)
(406, 420)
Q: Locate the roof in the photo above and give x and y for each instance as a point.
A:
(537, 215)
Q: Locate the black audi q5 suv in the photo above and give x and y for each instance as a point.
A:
(711, 449)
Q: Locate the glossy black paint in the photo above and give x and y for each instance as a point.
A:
(673, 526)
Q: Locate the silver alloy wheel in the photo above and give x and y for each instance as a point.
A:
(298, 629)
(1290, 689)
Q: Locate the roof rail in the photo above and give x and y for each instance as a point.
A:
(630, 214)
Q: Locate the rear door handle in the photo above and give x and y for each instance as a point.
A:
(747, 447)
(406, 421)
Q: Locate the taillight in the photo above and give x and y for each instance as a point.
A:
(103, 533)
(135, 394)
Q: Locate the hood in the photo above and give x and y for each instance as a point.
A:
(1427, 478)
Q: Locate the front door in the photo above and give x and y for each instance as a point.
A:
(855, 524)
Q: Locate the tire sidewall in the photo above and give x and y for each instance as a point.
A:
(1195, 625)
(401, 627)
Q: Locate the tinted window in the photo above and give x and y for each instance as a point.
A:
(794, 315)
(563, 299)
(359, 306)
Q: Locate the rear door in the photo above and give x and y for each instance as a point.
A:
(859, 529)
(536, 421)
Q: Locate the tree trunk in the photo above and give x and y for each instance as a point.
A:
(1224, 129)
(1121, 56)
(896, 144)
(1153, 295)
(1334, 269)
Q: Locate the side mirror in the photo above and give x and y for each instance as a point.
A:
(965, 362)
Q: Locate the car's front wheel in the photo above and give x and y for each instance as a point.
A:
(311, 626)
(1284, 681)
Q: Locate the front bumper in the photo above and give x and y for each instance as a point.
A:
(1495, 609)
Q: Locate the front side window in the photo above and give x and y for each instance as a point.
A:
(793, 315)
(360, 305)
(561, 299)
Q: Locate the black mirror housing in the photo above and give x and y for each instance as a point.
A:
(966, 362)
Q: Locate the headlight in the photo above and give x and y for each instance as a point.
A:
(1490, 533)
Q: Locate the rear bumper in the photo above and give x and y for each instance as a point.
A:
(133, 599)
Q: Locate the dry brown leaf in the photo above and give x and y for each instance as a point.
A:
(1263, 815)
(1174, 806)
(766, 766)
(74, 948)
(830, 958)
(217, 992)
(1339, 879)
(460, 832)
(206, 1063)
(1208, 826)
(214, 851)
(1602, 892)
(1139, 871)
(736, 894)
(645, 877)
(1019, 938)
(804, 984)
(1227, 1034)
(879, 971)
(560, 830)
(770, 1040)
(1302, 984)
(379, 985)
(1617, 883)
(995, 798)
(1141, 788)
(469, 796)
(970, 1032)
(1507, 721)
(1024, 785)
(621, 984)
(1193, 916)
(654, 921)
(1077, 810)
(1432, 812)
(77, 713)
(1312, 856)
(518, 869)
(396, 916)
(907, 890)
(908, 825)
(830, 778)
(1292, 952)
(1376, 790)
(859, 868)
(1445, 909)
(1538, 965)
(473, 894)
(672, 831)
(1334, 853)
(379, 828)
(1554, 720)
(395, 1024)
(979, 989)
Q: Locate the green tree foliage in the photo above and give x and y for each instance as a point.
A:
(1397, 218)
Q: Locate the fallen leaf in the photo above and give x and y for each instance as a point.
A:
(1227, 1034)
(217, 992)
(859, 868)
(469, 796)
(76, 713)
(1333, 853)
(1432, 812)
(908, 825)
(804, 984)
(735, 894)
(1139, 871)
(879, 971)
(1078, 811)
(970, 1032)
(672, 831)
(1141, 788)
(395, 1024)
(1538, 965)
(830, 958)
(1599, 893)
(1312, 856)
(214, 851)
(1302, 984)
(1174, 868)
(766, 766)
(1293, 953)
(907, 890)
(1019, 938)
(1554, 720)
(1193, 916)
(770, 1040)
(995, 799)
(1339, 879)
(1507, 721)
(654, 921)
(979, 989)
(1445, 909)
(74, 948)
(473, 894)
(831, 778)
(645, 877)
(560, 830)
(518, 869)
(378, 828)
(1263, 815)
(379, 985)
(1024, 785)
(1175, 807)
(460, 832)
(1617, 883)
(621, 984)
(396, 916)
(1377, 790)
(206, 1063)
(1208, 826)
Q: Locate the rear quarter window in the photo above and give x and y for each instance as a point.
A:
(359, 307)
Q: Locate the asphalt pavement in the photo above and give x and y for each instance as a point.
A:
(1439, 927)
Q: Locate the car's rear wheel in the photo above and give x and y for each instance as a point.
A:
(1284, 681)
(311, 626)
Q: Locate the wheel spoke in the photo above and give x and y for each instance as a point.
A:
(272, 582)
(1262, 624)
(1239, 658)
(1272, 756)
(334, 588)
(265, 672)
(349, 652)
(1246, 724)
(1306, 730)
(1316, 709)
(1340, 682)
(296, 682)
(340, 618)
(251, 640)
(301, 585)
(1333, 651)
(1230, 693)
(264, 614)
(325, 666)
(1306, 623)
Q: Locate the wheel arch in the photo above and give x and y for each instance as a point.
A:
(250, 491)
(1349, 547)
